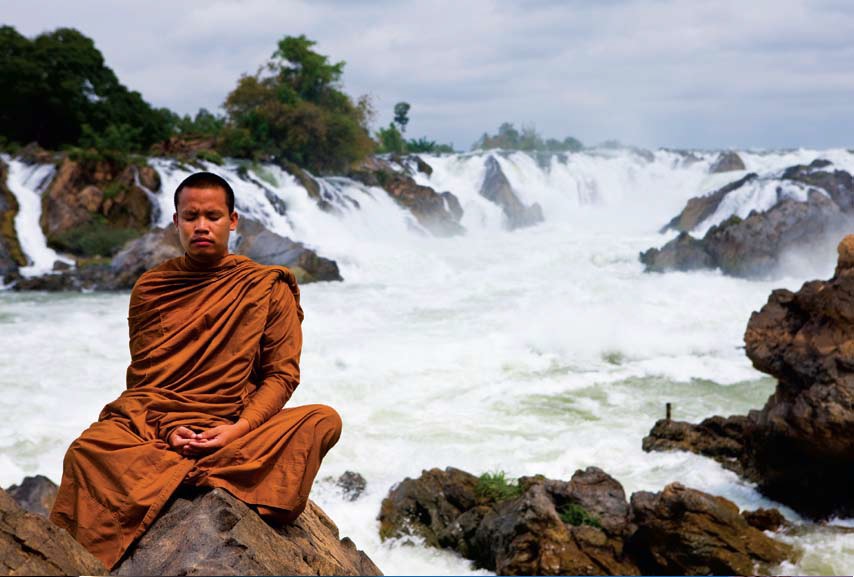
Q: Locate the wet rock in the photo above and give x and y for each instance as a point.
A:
(496, 188)
(422, 166)
(427, 206)
(581, 527)
(35, 494)
(719, 438)
(838, 183)
(753, 247)
(11, 255)
(311, 186)
(765, 519)
(215, 534)
(185, 148)
(352, 485)
(35, 154)
(32, 545)
(799, 448)
(141, 254)
(681, 531)
(149, 178)
(727, 162)
(700, 208)
(428, 506)
(266, 247)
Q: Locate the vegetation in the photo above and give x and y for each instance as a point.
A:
(57, 90)
(574, 514)
(509, 138)
(496, 487)
(95, 238)
(391, 139)
(293, 110)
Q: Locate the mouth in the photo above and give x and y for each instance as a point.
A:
(201, 242)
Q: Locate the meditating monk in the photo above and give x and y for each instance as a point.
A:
(215, 343)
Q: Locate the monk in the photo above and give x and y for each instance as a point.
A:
(215, 343)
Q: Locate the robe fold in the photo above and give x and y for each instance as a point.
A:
(208, 346)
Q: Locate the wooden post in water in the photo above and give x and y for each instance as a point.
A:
(669, 411)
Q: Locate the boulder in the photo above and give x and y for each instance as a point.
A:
(141, 254)
(11, 255)
(497, 189)
(35, 494)
(799, 448)
(266, 247)
(682, 531)
(32, 545)
(684, 253)
(213, 533)
(432, 210)
(765, 519)
(352, 484)
(727, 162)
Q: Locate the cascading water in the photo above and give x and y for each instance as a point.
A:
(541, 350)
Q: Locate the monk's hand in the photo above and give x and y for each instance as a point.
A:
(218, 437)
(180, 439)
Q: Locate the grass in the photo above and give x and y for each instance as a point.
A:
(575, 515)
(496, 487)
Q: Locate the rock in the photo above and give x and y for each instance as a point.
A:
(352, 484)
(422, 166)
(727, 162)
(309, 184)
(527, 536)
(11, 255)
(752, 247)
(682, 531)
(838, 183)
(719, 438)
(35, 154)
(212, 533)
(700, 208)
(428, 506)
(765, 519)
(149, 178)
(32, 545)
(35, 494)
(496, 188)
(141, 254)
(580, 527)
(266, 247)
(429, 208)
(684, 253)
(799, 448)
(184, 147)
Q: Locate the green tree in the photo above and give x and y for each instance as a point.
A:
(509, 138)
(58, 82)
(293, 109)
(401, 112)
(391, 140)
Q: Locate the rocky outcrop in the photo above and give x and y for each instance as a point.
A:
(727, 162)
(11, 255)
(799, 448)
(352, 485)
(35, 494)
(439, 213)
(754, 246)
(32, 545)
(92, 208)
(700, 208)
(496, 188)
(213, 533)
(581, 527)
(682, 531)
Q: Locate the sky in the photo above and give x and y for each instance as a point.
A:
(669, 73)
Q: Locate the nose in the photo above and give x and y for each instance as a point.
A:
(202, 224)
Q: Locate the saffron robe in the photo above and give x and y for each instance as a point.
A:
(208, 346)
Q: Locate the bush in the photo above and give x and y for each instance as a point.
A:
(575, 515)
(496, 487)
(96, 238)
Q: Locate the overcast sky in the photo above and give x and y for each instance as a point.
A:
(702, 74)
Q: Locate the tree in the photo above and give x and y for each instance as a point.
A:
(401, 118)
(508, 138)
(293, 110)
(57, 83)
(391, 140)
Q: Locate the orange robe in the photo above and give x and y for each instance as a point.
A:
(208, 346)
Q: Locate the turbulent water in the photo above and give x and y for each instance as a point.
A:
(542, 350)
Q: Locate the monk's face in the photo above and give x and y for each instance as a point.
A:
(204, 223)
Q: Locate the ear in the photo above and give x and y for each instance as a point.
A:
(175, 219)
(233, 218)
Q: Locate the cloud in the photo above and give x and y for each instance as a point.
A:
(669, 73)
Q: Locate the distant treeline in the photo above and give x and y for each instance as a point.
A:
(58, 92)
